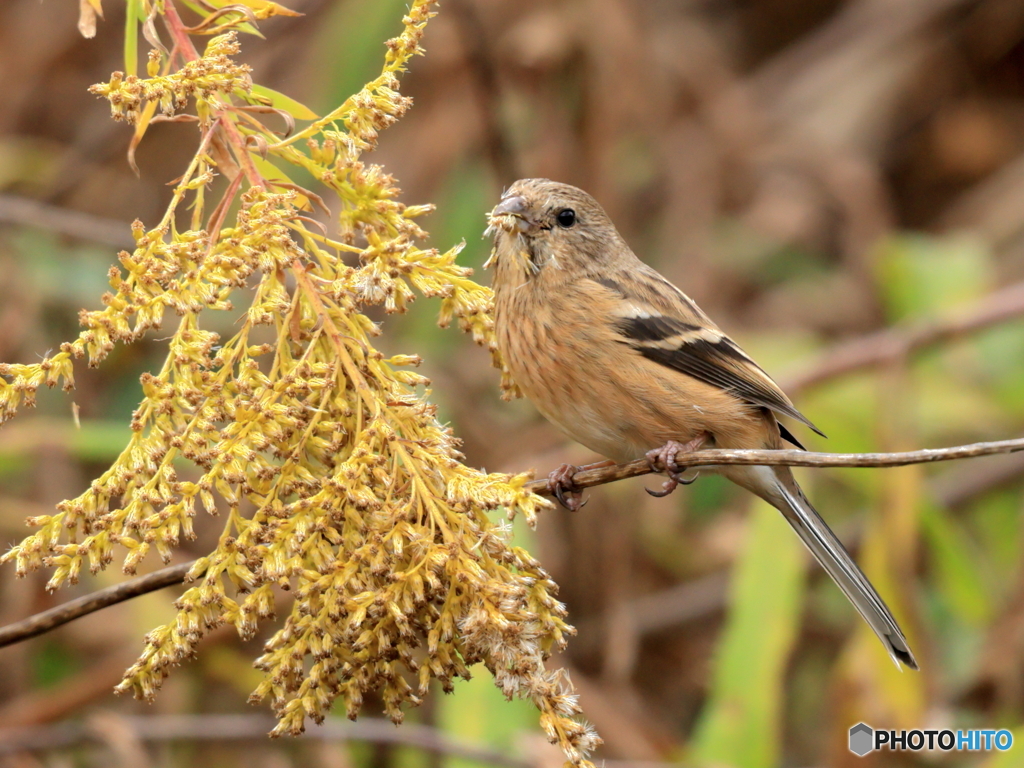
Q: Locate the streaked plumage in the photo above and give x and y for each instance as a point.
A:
(624, 362)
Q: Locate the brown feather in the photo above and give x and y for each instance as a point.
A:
(624, 362)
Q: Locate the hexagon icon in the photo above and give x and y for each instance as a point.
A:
(861, 739)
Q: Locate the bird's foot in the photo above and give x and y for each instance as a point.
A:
(561, 485)
(564, 489)
(664, 460)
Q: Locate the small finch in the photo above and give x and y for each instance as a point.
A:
(625, 363)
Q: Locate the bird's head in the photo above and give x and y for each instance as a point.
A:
(542, 224)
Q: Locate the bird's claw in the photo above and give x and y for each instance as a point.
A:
(664, 460)
(561, 485)
(670, 485)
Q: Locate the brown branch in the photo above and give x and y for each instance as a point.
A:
(62, 614)
(75, 609)
(43, 705)
(895, 343)
(957, 487)
(179, 32)
(789, 458)
(220, 728)
(33, 213)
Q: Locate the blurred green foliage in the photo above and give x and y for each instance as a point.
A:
(790, 668)
(742, 720)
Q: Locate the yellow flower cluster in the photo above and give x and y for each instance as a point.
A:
(336, 480)
(211, 75)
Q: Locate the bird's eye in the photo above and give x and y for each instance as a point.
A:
(566, 217)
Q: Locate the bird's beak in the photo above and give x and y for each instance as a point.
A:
(514, 205)
(510, 214)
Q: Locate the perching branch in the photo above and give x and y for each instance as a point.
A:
(74, 609)
(788, 458)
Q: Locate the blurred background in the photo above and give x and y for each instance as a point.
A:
(839, 184)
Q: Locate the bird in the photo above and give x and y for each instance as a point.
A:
(625, 363)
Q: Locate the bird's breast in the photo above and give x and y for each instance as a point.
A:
(570, 367)
(566, 356)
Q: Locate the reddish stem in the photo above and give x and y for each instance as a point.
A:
(183, 42)
(221, 212)
(236, 139)
(178, 31)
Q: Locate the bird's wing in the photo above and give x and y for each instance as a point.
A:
(664, 325)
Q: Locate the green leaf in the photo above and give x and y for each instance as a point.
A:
(269, 170)
(956, 567)
(926, 276)
(995, 521)
(1000, 359)
(349, 47)
(98, 440)
(263, 9)
(286, 103)
(742, 723)
(131, 37)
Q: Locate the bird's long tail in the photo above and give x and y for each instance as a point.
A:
(830, 552)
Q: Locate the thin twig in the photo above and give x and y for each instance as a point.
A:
(62, 614)
(84, 226)
(92, 683)
(220, 728)
(895, 343)
(957, 487)
(668, 608)
(789, 458)
(75, 609)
